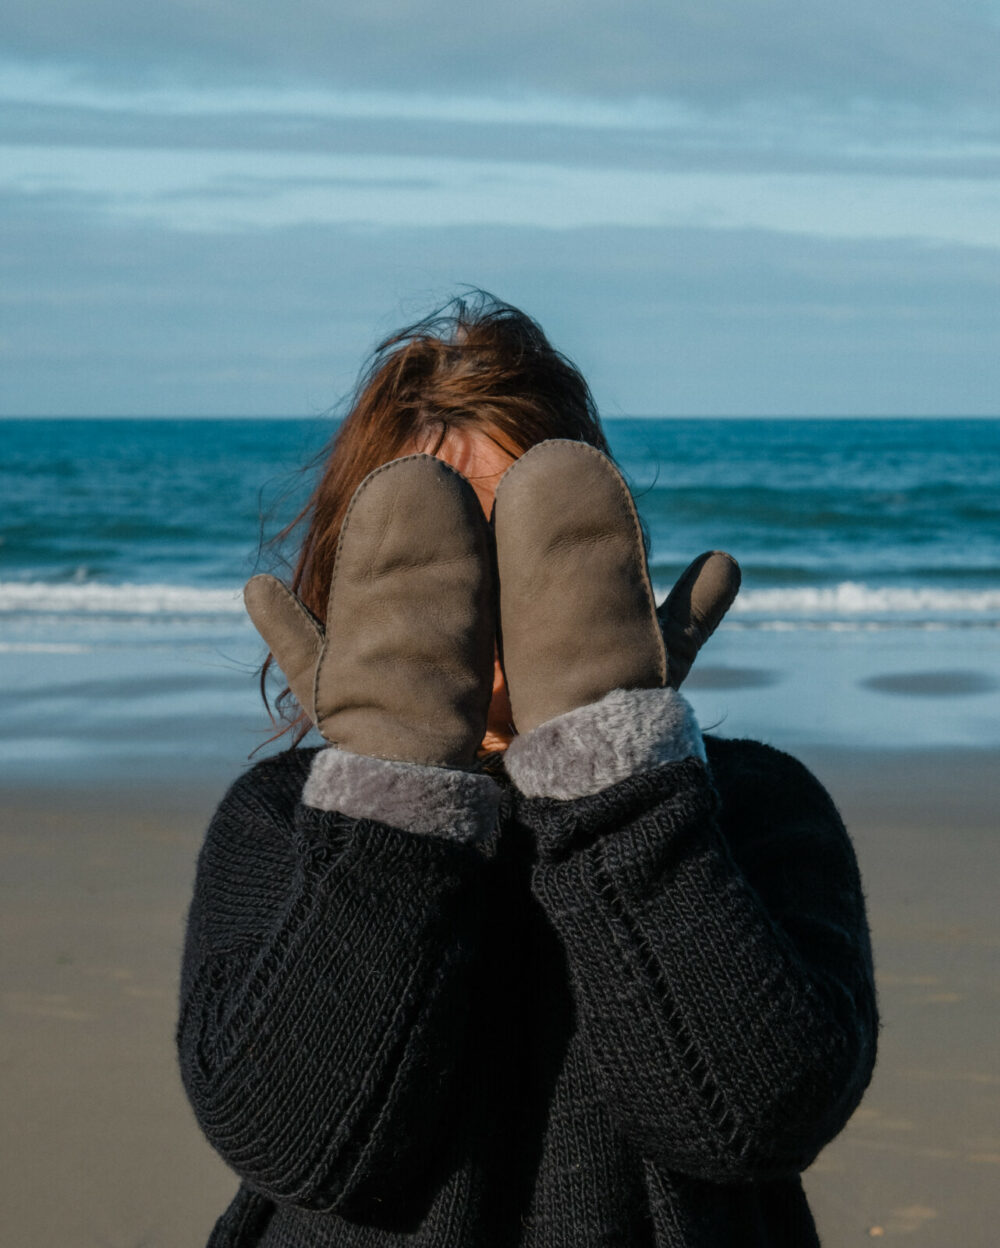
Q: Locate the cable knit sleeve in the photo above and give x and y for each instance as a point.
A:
(719, 956)
(321, 991)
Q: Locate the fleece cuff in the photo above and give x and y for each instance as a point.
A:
(595, 746)
(440, 801)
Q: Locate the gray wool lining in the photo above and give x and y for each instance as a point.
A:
(594, 746)
(441, 801)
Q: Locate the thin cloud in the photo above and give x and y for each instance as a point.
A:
(708, 51)
(222, 191)
(54, 106)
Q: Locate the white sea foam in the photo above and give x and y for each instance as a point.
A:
(43, 647)
(848, 602)
(852, 599)
(37, 597)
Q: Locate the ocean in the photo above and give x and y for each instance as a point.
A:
(869, 614)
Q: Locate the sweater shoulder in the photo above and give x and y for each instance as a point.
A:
(747, 769)
(768, 799)
(788, 837)
(248, 858)
(270, 789)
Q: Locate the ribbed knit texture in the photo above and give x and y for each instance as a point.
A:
(628, 1019)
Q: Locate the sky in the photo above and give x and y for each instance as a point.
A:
(715, 207)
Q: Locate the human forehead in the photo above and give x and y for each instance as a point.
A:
(475, 453)
(478, 457)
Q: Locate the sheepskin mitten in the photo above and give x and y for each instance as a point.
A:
(438, 801)
(577, 614)
(403, 668)
(583, 751)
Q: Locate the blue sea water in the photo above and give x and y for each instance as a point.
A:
(870, 551)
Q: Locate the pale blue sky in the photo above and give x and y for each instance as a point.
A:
(765, 207)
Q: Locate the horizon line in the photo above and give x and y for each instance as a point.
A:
(153, 416)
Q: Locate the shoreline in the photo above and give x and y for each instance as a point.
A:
(891, 782)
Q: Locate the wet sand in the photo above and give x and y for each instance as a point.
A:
(920, 1160)
(101, 1151)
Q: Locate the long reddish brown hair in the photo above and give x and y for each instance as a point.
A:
(476, 363)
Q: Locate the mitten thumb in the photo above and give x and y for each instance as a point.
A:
(694, 609)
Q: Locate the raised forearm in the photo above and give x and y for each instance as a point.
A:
(313, 1055)
(733, 1035)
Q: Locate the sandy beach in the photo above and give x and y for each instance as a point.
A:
(101, 1151)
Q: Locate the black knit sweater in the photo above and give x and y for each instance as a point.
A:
(625, 1019)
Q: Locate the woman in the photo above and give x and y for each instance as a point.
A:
(518, 957)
